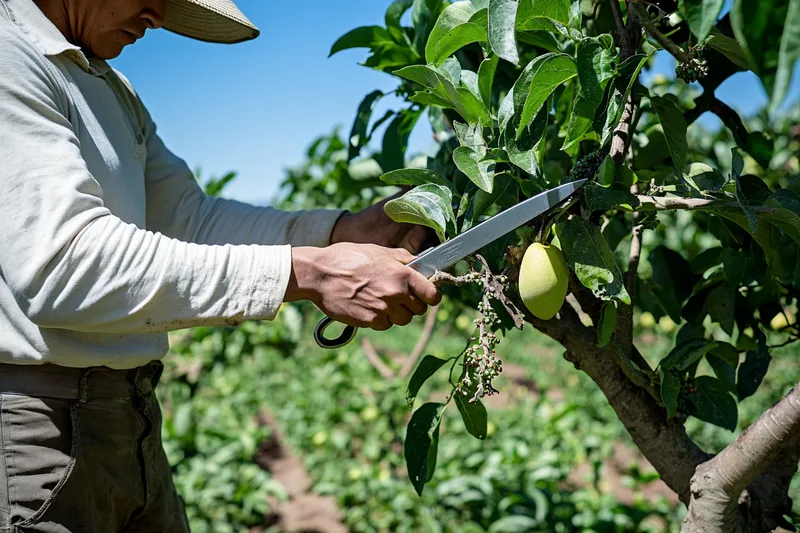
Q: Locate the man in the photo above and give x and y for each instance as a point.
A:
(107, 243)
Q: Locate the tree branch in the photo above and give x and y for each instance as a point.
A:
(666, 203)
(666, 43)
(663, 442)
(718, 484)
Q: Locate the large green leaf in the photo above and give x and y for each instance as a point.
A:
(753, 369)
(712, 402)
(479, 170)
(588, 255)
(502, 28)
(422, 444)
(730, 48)
(596, 58)
(523, 151)
(701, 15)
(629, 70)
(607, 324)
(430, 205)
(426, 368)
(670, 390)
(392, 18)
(758, 26)
(674, 126)
(486, 74)
(545, 15)
(395, 140)
(363, 37)
(415, 176)
(455, 28)
(671, 282)
(474, 416)
(537, 82)
(788, 55)
(424, 14)
(687, 353)
(358, 134)
(444, 92)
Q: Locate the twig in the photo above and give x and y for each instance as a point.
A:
(375, 359)
(422, 342)
(666, 203)
(625, 314)
(665, 42)
(787, 343)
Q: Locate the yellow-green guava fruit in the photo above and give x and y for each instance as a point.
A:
(543, 280)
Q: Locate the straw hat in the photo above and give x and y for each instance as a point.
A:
(214, 21)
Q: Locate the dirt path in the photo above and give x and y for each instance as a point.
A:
(304, 511)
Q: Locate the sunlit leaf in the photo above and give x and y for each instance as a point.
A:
(422, 444)
(502, 28)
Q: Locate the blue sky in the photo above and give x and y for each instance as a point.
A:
(254, 107)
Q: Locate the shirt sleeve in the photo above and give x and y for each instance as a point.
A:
(178, 207)
(71, 264)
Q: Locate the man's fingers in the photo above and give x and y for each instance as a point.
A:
(424, 289)
(415, 305)
(400, 316)
(402, 255)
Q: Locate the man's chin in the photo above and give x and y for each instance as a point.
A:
(107, 51)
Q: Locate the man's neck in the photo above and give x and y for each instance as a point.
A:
(57, 12)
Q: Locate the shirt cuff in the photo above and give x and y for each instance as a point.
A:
(272, 269)
(314, 227)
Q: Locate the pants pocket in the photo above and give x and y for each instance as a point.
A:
(40, 438)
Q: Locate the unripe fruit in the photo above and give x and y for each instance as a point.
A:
(543, 279)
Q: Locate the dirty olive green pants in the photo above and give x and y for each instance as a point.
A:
(80, 451)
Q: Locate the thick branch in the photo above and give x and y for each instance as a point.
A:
(664, 442)
(719, 483)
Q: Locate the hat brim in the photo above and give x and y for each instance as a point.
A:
(212, 21)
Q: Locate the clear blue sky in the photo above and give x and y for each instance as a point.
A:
(254, 107)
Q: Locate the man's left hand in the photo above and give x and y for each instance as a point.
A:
(373, 226)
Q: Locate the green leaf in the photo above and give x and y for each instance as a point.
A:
(415, 176)
(604, 198)
(537, 82)
(721, 307)
(422, 444)
(670, 389)
(753, 369)
(426, 368)
(523, 151)
(687, 353)
(470, 136)
(607, 172)
(674, 125)
(671, 282)
(454, 29)
(482, 201)
(704, 178)
(713, 403)
(514, 524)
(734, 264)
(486, 79)
(788, 55)
(392, 19)
(607, 324)
(588, 255)
(429, 205)
(479, 171)
(395, 140)
(364, 37)
(502, 26)
(424, 14)
(358, 133)
(759, 26)
(729, 48)
(706, 259)
(473, 415)
(547, 15)
(616, 105)
(701, 15)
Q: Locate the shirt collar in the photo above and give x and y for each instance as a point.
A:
(47, 38)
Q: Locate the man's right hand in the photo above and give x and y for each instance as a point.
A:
(362, 285)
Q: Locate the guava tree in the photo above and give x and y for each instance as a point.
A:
(523, 95)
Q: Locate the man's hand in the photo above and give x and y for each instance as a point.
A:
(362, 285)
(373, 226)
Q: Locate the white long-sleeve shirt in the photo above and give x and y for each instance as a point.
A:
(106, 240)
